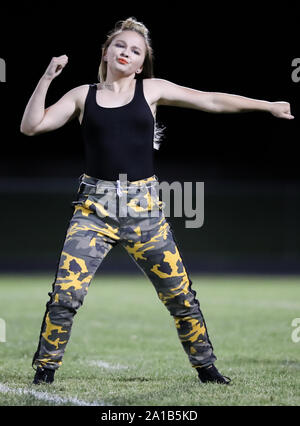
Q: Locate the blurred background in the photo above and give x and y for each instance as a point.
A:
(248, 162)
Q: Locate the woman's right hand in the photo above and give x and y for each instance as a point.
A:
(55, 67)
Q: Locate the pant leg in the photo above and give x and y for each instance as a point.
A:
(87, 242)
(157, 254)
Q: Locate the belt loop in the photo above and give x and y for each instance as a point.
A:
(81, 188)
(119, 191)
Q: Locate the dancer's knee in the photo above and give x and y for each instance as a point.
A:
(70, 299)
(180, 305)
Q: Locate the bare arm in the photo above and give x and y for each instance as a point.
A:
(172, 94)
(36, 119)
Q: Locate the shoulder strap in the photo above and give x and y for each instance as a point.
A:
(139, 86)
(92, 90)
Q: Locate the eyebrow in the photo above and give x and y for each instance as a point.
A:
(123, 41)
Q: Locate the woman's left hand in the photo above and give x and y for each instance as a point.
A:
(281, 110)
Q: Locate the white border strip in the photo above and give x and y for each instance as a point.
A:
(45, 396)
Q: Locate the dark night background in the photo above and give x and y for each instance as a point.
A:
(248, 162)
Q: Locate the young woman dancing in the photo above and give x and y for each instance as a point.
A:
(117, 118)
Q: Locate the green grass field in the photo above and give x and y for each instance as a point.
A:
(248, 319)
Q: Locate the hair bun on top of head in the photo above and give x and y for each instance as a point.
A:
(133, 25)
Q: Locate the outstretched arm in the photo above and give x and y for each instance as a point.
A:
(172, 94)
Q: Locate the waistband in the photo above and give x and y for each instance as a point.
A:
(92, 185)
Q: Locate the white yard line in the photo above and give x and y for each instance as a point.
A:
(45, 396)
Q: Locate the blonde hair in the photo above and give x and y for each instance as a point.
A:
(129, 24)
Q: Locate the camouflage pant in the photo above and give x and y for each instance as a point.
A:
(107, 213)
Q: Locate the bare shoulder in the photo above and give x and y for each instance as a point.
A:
(155, 87)
(161, 86)
(71, 103)
(78, 94)
(155, 83)
(169, 93)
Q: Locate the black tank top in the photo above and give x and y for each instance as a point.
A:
(119, 139)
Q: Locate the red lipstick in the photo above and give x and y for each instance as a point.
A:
(122, 61)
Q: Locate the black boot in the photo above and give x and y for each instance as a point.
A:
(211, 374)
(43, 375)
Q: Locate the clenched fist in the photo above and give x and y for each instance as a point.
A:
(281, 110)
(56, 66)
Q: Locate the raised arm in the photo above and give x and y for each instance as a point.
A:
(172, 94)
(36, 119)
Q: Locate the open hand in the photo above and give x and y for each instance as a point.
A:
(281, 110)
